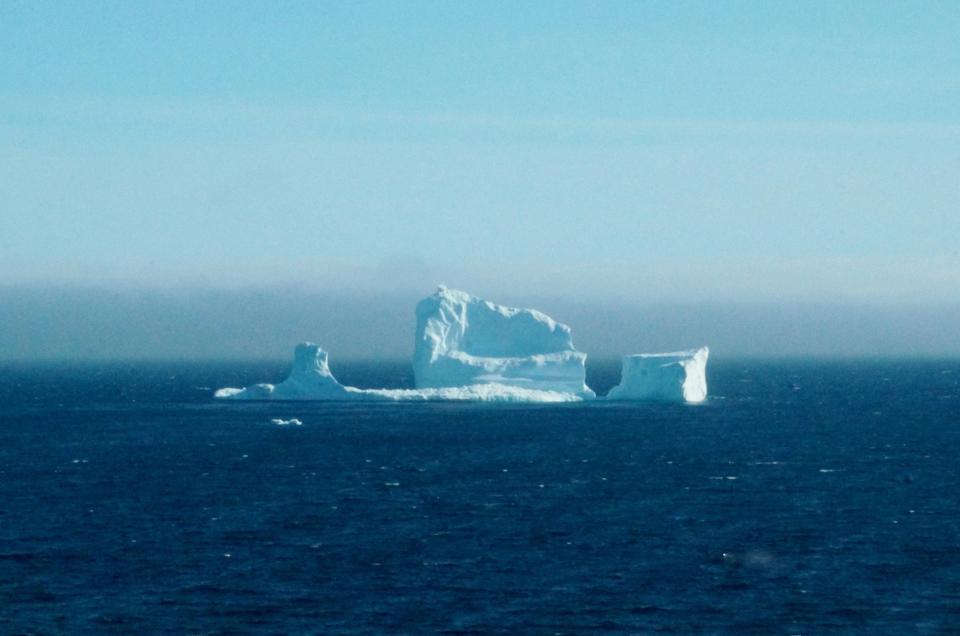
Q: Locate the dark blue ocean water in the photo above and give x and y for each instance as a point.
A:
(804, 498)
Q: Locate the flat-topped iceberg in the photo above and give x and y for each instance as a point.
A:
(464, 340)
(470, 349)
(678, 376)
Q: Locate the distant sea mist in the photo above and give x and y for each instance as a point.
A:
(77, 323)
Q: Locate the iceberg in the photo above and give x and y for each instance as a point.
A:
(464, 340)
(309, 379)
(677, 376)
(469, 349)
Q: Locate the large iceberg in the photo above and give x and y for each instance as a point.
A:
(463, 340)
(470, 349)
(678, 376)
(466, 349)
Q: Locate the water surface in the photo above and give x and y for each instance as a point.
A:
(803, 497)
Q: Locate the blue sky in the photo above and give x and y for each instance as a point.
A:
(655, 150)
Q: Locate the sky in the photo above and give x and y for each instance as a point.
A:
(627, 155)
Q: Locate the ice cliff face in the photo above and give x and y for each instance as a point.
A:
(679, 376)
(463, 340)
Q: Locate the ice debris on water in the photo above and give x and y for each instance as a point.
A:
(281, 422)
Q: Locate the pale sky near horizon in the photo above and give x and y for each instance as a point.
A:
(731, 151)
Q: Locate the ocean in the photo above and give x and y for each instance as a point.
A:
(804, 497)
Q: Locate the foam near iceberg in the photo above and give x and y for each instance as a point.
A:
(470, 349)
(673, 377)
